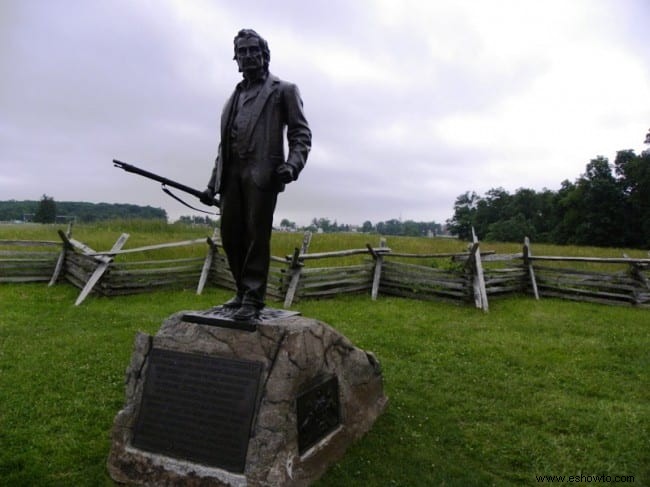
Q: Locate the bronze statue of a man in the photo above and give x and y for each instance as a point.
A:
(251, 167)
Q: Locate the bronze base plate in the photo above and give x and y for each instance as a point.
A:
(223, 317)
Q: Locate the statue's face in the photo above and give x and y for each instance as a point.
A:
(249, 55)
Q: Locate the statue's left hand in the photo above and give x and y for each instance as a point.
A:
(286, 173)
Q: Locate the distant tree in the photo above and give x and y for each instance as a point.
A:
(343, 227)
(411, 228)
(324, 224)
(196, 220)
(46, 210)
(568, 207)
(634, 177)
(434, 228)
(599, 206)
(367, 227)
(513, 229)
(525, 202)
(493, 207)
(287, 224)
(390, 227)
(546, 218)
(464, 212)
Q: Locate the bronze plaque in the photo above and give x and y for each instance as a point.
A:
(198, 408)
(318, 413)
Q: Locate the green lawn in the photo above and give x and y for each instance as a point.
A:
(532, 388)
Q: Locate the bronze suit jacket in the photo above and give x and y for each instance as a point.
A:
(260, 140)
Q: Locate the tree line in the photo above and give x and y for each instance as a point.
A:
(47, 210)
(608, 205)
(388, 227)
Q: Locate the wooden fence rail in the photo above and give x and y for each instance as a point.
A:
(28, 260)
(468, 277)
(629, 286)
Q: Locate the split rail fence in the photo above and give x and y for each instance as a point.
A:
(466, 277)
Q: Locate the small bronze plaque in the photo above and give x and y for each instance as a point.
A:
(318, 413)
(198, 408)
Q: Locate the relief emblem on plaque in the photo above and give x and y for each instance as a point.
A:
(318, 412)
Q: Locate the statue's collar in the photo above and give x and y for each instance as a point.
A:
(247, 84)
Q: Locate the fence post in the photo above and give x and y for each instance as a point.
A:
(642, 287)
(529, 264)
(478, 279)
(207, 264)
(101, 268)
(379, 260)
(294, 269)
(61, 260)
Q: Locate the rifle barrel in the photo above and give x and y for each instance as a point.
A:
(166, 181)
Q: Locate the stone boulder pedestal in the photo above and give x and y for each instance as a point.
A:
(274, 404)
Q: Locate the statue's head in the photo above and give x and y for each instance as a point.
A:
(251, 52)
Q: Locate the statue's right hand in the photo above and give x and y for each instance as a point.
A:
(207, 197)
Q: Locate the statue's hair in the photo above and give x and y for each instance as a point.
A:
(248, 33)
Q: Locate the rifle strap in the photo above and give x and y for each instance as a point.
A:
(166, 190)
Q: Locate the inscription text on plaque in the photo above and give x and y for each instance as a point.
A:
(198, 408)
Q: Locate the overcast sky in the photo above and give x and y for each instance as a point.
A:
(411, 103)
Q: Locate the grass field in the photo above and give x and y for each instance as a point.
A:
(532, 388)
(101, 236)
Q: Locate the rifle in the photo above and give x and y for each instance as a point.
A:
(166, 182)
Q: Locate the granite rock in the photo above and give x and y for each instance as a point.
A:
(294, 353)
